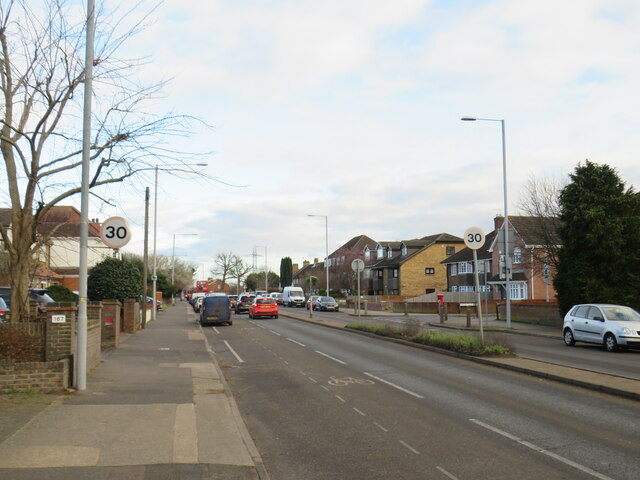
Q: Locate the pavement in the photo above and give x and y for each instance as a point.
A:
(158, 407)
(611, 384)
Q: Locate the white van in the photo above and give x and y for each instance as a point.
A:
(293, 296)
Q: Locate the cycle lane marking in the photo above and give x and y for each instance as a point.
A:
(240, 360)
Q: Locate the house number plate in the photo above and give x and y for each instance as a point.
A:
(58, 318)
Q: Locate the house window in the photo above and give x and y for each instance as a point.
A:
(429, 271)
(395, 273)
(380, 252)
(379, 273)
(454, 288)
(518, 291)
(466, 288)
(451, 251)
(367, 254)
(454, 269)
(404, 250)
(430, 290)
(517, 255)
(389, 252)
(465, 267)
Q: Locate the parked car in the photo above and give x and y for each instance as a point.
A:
(277, 296)
(244, 302)
(327, 304)
(608, 325)
(197, 303)
(215, 309)
(158, 303)
(5, 313)
(38, 295)
(311, 301)
(263, 307)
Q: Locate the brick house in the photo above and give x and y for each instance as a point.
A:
(411, 267)
(532, 271)
(460, 271)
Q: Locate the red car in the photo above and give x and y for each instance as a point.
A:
(263, 307)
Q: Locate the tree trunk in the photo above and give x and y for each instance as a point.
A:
(20, 265)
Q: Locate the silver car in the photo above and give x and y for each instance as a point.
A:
(608, 325)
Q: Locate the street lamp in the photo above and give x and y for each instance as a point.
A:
(266, 269)
(154, 277)
(326, 237)
(505, 225)
(173, 262)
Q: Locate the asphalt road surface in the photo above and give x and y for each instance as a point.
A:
(327, 404)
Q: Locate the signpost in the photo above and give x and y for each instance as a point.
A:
(358, 266)
(474, 238)
(115, 232)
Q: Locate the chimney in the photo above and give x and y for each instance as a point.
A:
(295, 268)
(315, 261)
(498, 221)
(305, 263)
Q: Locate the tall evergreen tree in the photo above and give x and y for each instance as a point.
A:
(599, 260)
(286, 272)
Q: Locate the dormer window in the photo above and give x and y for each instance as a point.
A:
(367, 254)
(389, 252)
(405, 251)
(380, 252)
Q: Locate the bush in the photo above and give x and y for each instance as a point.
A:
(60, 293)
(18, 346)
(114, 279)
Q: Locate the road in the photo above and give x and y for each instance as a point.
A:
(625, 363)
(322, 403)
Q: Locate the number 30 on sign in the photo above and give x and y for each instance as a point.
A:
(115, 232)
(474, 237)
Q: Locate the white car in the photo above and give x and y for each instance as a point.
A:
(608, 325)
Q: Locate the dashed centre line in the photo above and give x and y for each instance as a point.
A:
(275, 333)
(409, 447)
(360, 412)
(402, 389)
(296, 342)
(446, 474)
(233, 352)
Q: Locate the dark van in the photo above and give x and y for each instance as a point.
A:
(215, 309)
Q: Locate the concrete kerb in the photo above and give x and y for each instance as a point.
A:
(496, 362)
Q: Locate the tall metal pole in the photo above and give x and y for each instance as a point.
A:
(145, 261)
(266, 278)
(81, 345)
(173, 270)
(507, 257)
(326, 258)
(154, 277)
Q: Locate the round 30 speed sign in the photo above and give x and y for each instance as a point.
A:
(115, 232)
(474, 238)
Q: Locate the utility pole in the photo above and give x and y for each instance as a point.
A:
(145, 264)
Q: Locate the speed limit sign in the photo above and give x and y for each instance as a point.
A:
(115, 232)
(474, 237)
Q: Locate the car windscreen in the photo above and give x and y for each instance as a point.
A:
(265, 300)
(621, 314)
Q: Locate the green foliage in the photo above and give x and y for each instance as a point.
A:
(598, 260)
(255, 281)
(114, 279)
(60, 293)
(286, 272)
(456, 342)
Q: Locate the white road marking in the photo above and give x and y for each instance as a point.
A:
(326, 388)
(313, 379)
(341, 399)
(538, 449)
(394, 385)
(275, 333)
(360, 412)
(409, 447)
(380, 427)
(447, 474)
(215, 330)
(234, 352)
(297, 343)
(332, 358)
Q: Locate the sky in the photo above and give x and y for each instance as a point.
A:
(350, 109)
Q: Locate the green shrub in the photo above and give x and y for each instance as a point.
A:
(60, 293)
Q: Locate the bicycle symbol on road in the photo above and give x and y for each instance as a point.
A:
(343, 382)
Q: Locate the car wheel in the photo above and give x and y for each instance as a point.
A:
(568, 338)
(230, 322)
(275, 316)
(610, 342)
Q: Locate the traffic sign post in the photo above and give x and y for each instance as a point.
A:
(115, 232)
(358, 266)
(474, 238)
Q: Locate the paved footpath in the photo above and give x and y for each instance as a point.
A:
(157, 408)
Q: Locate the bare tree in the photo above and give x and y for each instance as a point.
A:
(540, 199)
(224, 264)
(41, 75)
(238, 270)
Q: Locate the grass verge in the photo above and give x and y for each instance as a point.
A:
(456, 342)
